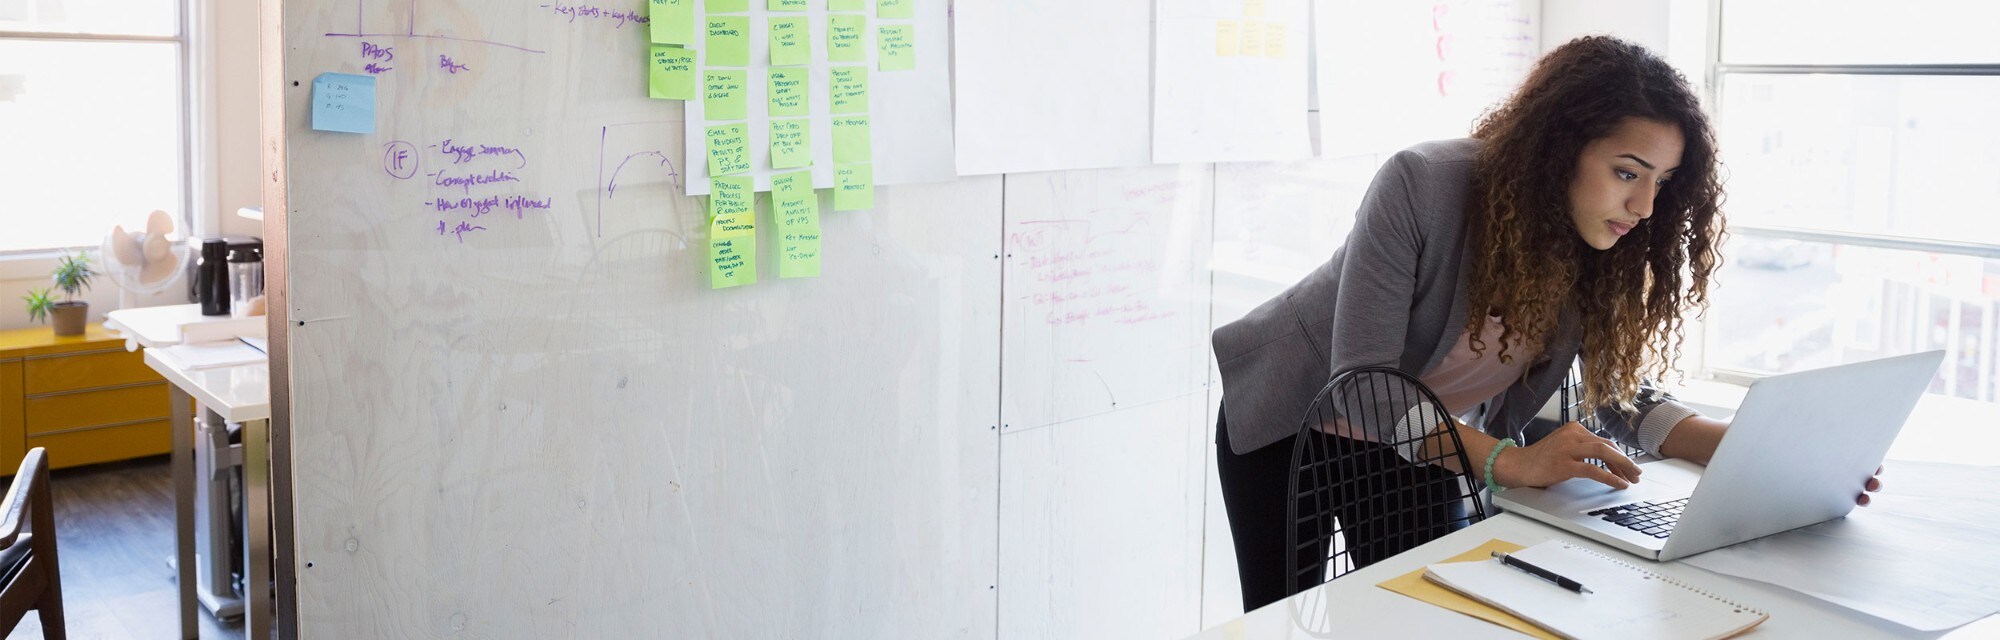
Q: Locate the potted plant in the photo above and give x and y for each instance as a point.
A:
(72, 277)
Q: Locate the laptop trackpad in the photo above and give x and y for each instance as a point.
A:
(1661, 480)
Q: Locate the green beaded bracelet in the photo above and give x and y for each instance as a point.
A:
(1495, 455)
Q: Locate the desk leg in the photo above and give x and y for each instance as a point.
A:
(258, 609)
(181, 407)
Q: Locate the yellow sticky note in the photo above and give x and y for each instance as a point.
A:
(1274, 40)
(1253, 8)
(670, 76)
(786, 5)
(849, 89)
(791, 41)
(728, 6)
(1414, 585)
(896, 46)
(728, 149)
(845, 38)
(723, 94)
(896, 8)
(846, 5)
(798, 252)
(1252, 37)
(728, 41)
(791, 143)
(853, 187)
(851, 139)
(733, 207)
(788, 90)
(670, 21)
(1226, 42)
(794, 204)
(732, 262)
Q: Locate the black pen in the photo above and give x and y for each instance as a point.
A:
(1539, 572)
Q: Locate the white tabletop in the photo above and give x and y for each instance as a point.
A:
(155, 327)
(237, 393)
(1353, 607)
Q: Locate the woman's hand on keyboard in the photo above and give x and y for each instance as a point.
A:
(1873, 484)
(1563, 454)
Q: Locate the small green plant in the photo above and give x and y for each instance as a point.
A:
(72, 276)
(39, 304)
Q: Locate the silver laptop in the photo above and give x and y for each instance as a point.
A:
(1796, 454)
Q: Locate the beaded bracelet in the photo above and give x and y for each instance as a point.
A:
(1495, 455)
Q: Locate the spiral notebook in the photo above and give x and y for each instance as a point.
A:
(1628, 602)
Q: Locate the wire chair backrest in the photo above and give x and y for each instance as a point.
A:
(1369, 476)
(1571, 399)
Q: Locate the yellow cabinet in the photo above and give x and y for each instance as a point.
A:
(84, 398)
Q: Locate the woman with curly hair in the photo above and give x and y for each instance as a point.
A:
(1580, 220)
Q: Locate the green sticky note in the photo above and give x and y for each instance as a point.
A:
(728, 6)
(846, 5)
(732, 206)
(851, 139)
(732, 262)
(670, 21)
(844, 38)
(786, 5)
(849, 92)
(853, 187)
(722, 94)
(798, 252)
(791, 41)
(895, 8)
(728, 149)
(728, 41)
(791, 144)
(896, 46)
(671, 74)
(793, 202)
(788, 92)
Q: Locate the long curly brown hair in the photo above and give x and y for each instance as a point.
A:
(1529, 260)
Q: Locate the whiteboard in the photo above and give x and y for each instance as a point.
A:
(1106, 291)
(1407, 72)
(1229, 81)
(550, 427)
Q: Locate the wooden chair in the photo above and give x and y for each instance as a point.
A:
(28, 567)
(1358, 499)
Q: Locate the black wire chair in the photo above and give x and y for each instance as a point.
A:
(1570, 398)
(1368, 476)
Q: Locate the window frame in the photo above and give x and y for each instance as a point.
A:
(1717, 70)
(190, 102)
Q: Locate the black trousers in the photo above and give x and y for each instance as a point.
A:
(1390, 519)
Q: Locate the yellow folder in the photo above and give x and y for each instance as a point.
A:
(1414, 585)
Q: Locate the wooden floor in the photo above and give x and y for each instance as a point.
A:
(115, 526)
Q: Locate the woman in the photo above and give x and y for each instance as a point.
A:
(1581, 218)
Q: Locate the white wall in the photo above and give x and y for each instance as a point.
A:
(1676, 29)
(232, 29)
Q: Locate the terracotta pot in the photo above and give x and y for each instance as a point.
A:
(70, 317)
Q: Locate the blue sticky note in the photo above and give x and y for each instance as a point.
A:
(343, 102)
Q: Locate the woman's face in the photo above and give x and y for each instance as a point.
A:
(1619, 176)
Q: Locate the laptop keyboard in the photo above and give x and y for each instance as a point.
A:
(1654, 519)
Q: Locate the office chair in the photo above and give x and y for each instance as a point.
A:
(1368, 480)
(28, 568)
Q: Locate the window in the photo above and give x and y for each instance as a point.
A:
(93, 123)
(1863, 203)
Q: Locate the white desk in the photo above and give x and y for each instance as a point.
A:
(235, 394)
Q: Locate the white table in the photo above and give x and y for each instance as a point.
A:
(234, 394)
(1353, 607)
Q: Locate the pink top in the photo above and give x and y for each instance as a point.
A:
(1463, 380)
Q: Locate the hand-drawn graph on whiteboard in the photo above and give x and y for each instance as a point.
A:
(417, 19)
(1105, 291)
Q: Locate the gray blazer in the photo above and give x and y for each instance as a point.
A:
(1394, 295)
